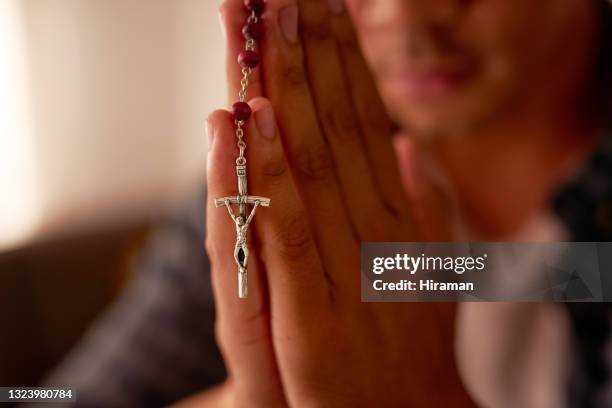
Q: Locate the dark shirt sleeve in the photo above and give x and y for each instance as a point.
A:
(155, 344)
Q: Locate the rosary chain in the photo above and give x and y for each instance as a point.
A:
(242, 95)
(244, 84)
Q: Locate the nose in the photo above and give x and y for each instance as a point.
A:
(409, 13)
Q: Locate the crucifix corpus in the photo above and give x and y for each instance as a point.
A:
(242, 221)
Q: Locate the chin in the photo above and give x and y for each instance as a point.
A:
(465, 108)
(434, 122)
(456, 116)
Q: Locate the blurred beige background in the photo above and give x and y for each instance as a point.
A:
(102, 110)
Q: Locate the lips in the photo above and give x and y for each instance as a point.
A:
(431, 82)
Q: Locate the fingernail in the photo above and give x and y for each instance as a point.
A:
(288, 22)
(264, 119)
(210, 134)
(336, 6)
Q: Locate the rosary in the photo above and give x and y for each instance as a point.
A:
(248, 60)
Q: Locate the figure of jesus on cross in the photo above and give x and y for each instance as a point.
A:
(242, 221)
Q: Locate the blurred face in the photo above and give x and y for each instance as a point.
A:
(452, 66)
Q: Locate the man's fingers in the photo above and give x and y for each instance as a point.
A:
(340, 122)
(296, 279)
(307, 152)
(300, 295)
(233, 17)
(374, 122)
(242, 324)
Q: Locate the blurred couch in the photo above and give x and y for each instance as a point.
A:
(50, 292)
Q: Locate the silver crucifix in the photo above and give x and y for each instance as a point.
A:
(242, 221)
(242, 112)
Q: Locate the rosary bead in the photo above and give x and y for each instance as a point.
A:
(254, 5)
(241, 111)
(248, 59)
(252, 31)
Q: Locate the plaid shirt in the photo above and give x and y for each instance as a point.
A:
(156, 344)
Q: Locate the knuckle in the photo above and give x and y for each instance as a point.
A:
(244, 330)
(219, 334)
(209, 247)
(340, 121)
(294, 74)
(294, 237)
(216, 117)
(314, 164)
(319, 29)
(274, 169)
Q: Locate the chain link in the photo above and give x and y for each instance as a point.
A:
(244, 84)
(252, 18)
(241, 160)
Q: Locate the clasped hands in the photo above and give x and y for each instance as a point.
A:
(320, 145)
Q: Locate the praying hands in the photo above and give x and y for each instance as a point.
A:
(320, 146)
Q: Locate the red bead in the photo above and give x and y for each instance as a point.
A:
(248, 59)
(252, 31)
(255, 5)
(241, 111)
